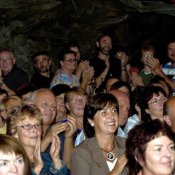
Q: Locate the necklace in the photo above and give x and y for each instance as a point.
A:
(109, 154)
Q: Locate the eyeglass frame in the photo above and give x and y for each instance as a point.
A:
(30, 126)
(158, 100)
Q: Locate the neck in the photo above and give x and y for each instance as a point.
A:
(102, 56)
(106, 142)
(30, 152)
(147, 69)
(60, 116)
(66, 71)
(44, 130)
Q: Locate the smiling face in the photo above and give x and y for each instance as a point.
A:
(155, 106)
(159, 156)
(105, 44)
(11, 164)
(105, 121)
(171, 51)
(28, 137)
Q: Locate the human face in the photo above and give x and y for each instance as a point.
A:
(61, 107)
(171, 113)
(42, 63)
(28, 136)
(124, 105)
(76, 105)
(171, 51)
(46, 102)
(159, 156)
(69, 64)
(11, 164)
(105, 45)
(146, 55)
(77, 51)
(7, 61)
(155, 106)
(106, 120)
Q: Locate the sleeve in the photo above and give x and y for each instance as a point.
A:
(80, 162)
(62, 171)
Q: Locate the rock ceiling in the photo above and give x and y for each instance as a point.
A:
(27, 26)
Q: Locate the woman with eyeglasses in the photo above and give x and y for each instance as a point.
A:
(153, 102)
(25, 125)
(101, 153)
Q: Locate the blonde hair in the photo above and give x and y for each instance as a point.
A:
(19, 114)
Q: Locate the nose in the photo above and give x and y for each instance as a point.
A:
(13, 167)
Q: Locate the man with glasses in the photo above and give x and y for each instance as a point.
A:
(12, 78)
(42, 65)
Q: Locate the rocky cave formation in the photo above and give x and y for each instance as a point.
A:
(29, 26)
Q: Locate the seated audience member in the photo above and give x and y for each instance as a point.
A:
(124, 107)
(25, 93)
(150, 149)
(45, 100)
(122, 86)
(42, 65)
(59, 92)
(84, 72)
(106, 65)
(153, 102)
(11, 103)
(75, 102)
(25, 125)
(101, 152)
(136, 99)
(13, 77)
(160, 81)
(65, 75)
(169, 112)
(13, 158)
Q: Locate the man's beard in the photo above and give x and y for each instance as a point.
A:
(105, 50)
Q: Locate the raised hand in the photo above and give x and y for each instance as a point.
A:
(38, 163)
(55, 152)
(120, 164)
(71, 127)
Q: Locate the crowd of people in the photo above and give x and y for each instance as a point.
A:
(92, 116)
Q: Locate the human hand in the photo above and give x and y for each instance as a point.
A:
(136, 79)
(88, 73)
(122, 57)
(154, 64)
(107, 62)
(120, 164)
(38, 162)
(71, 127)
(55, 152)
(83, 65)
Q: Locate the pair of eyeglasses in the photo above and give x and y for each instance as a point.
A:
(70, 61)
(158, 100)
(148, 56)
(79, 100)
(5, 60)
(30, 126)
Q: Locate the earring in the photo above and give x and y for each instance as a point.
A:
(92, 124)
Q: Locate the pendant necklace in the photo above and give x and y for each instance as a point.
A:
(109, 154)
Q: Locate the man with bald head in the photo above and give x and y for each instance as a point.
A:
(45, 100)
(124, 107)
(169, 112)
